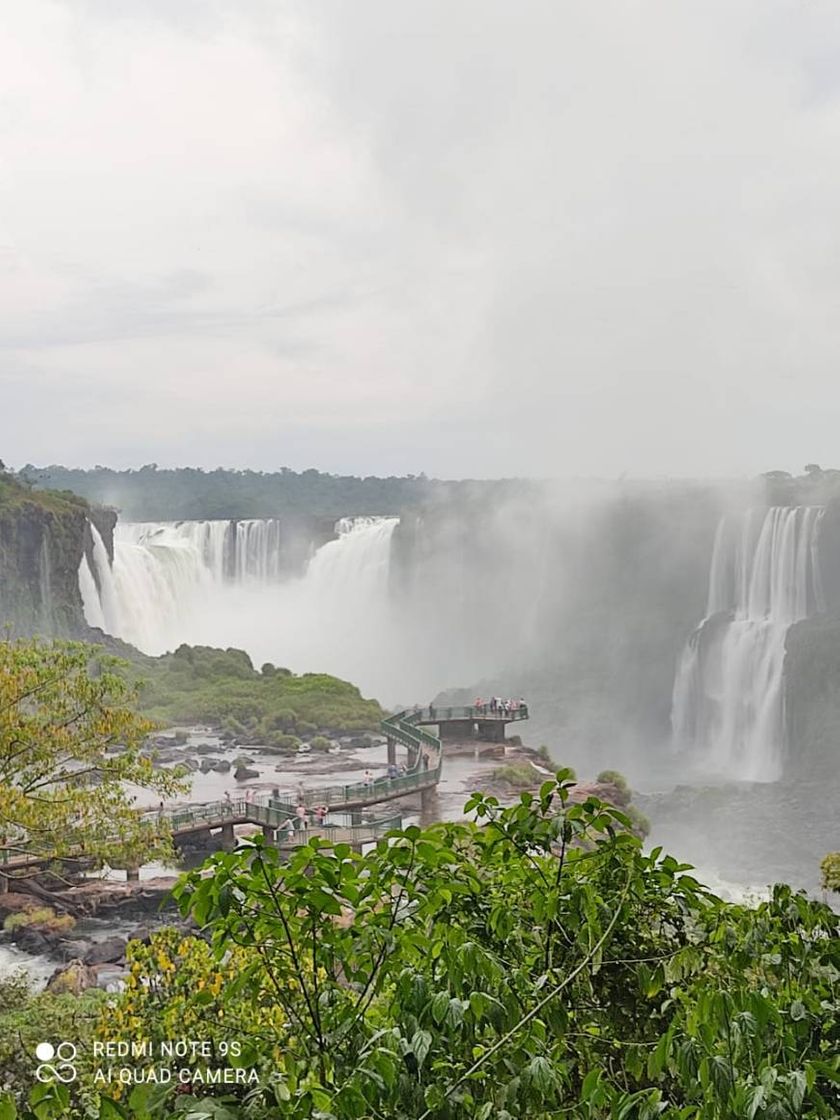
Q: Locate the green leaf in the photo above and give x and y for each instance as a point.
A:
(420, 1043)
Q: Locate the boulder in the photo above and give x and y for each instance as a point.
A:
(72, 950)
(33, 941)
(109, 951)
(205, 748)
(221, 765)
(242, 773)
(190, 764)
(110, 978)
(74, 978)
(141, 933)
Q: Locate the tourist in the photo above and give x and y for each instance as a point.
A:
(425, 761)
(290, 829)
(300, 816)
(368, 778)
(321, 815)
(523, 707)
(393, 772)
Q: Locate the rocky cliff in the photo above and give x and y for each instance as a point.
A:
(43, 537)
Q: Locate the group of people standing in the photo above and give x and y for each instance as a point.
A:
(496, 705)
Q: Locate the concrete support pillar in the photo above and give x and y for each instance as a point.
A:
(491, 731)
(355, 816)
(269, 833)
(392, 752)
(412, 758)
(228, 837)
(429, 811)
(132, 874)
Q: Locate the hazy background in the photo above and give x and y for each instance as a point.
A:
(470, 239)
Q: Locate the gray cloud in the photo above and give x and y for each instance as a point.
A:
(469, 239)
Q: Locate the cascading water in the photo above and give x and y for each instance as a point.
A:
(728, 700)
(221, 583)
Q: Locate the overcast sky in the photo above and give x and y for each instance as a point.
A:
(467, 237)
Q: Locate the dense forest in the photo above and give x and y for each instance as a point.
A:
(156, 494)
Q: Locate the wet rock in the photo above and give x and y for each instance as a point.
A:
(75, 978)
(106, 952)
(190, 764)
(222, 765)
(141, 933)
(33, 941)
(205, 748)
(208, 764)
(110, 978)
(242, 773)
(68, 950)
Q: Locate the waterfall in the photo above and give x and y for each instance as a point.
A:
(728, 699)
(45, 586)
(222, 583)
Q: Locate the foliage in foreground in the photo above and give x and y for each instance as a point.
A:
(830, 868)
(534, 965)
(26, 1019)
(63, 707)
(198, 683)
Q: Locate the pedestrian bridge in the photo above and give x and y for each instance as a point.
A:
(421, 774)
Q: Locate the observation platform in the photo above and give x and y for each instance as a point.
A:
(460, 724)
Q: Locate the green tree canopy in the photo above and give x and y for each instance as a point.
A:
(70, 741)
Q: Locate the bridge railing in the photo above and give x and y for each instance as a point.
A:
(444, 712)
(343, 833)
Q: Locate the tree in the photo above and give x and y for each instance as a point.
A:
(535, 964)
(69, 742)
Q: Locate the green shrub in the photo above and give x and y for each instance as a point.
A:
(830, 867)
(43, 917)
(619, 782)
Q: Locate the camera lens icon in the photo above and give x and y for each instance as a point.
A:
(56, 1062)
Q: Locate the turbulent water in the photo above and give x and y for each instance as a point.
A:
(728, 700)
(222, 583)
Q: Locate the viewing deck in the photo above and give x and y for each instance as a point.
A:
(482, 723)
(420, 775)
